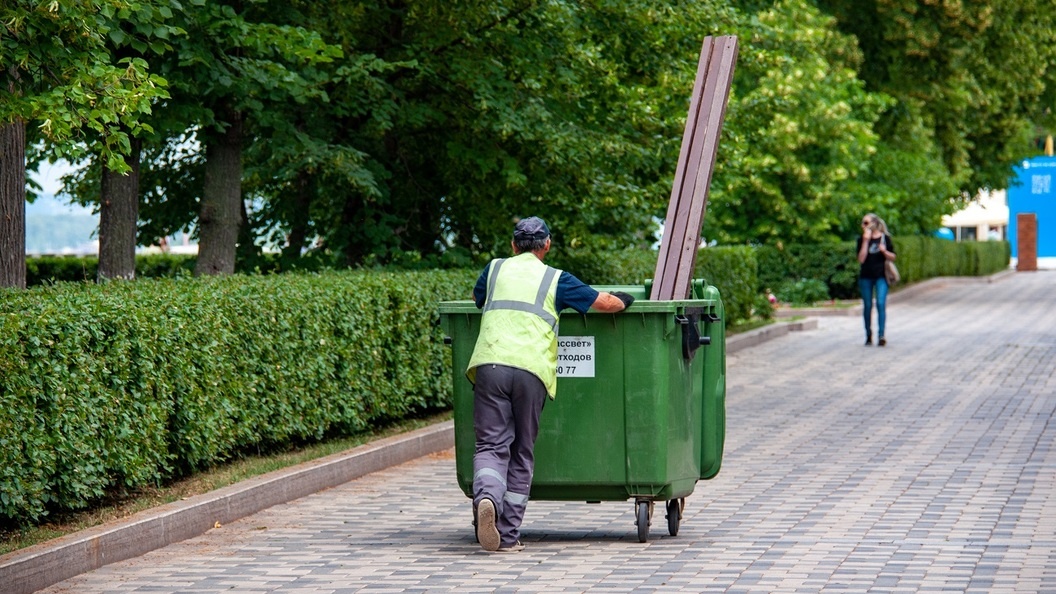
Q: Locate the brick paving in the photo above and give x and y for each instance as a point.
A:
(923, 466)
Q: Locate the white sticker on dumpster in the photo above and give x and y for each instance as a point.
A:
(575, 356)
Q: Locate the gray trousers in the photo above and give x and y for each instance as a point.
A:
(506, 406)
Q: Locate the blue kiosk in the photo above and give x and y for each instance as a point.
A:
(1033, 189)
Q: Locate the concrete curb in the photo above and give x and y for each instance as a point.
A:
(40, 566)
(751, 338)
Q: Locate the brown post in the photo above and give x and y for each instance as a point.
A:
(1027, 241)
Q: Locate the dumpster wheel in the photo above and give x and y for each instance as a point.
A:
(674, 515)
(645, 512)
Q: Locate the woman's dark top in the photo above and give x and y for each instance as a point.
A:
(873, 267)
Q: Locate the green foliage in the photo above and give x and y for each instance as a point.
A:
(826, 262)
(54, 269)
(388, 132)
(799, 130)
(732, 270)
(58, 71)
(968, 77)
(125, 384)
(805, 291)
(50, 269)
(920, 258)
(762, 309)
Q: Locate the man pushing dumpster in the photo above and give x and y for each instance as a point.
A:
(513, 370)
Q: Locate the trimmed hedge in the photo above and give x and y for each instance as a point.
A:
(732, 270)
(42, 270)
(919, 258)
(115, 386)
(125, 384)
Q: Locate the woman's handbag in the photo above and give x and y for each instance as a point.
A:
(890, 270)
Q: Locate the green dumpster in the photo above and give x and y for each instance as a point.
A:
(640, 407)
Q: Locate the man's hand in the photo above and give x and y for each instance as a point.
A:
(612, 302)
(624, 297)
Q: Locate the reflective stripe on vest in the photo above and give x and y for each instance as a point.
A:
(536, 308)
(519, 322)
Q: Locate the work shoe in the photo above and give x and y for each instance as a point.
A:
(487, 533)
(516, 547)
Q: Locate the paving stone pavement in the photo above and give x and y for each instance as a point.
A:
(923, 466)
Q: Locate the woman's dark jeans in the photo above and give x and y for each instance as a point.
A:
(866, 285)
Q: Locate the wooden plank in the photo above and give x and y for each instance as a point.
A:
(671, 228)
(685, 215)
(715, 69)
(716, 94)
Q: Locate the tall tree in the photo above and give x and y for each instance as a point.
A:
(12, 202)
(238, 62)
(220, 218)
(118, 218)
(55, 68)
(458, 117)
(139, 31)
(967, 76)
(799, 131)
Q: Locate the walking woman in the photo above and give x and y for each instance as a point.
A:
(874, 249)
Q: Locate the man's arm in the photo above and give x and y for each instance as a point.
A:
(612, 302)
(480, 290)
(574, 293)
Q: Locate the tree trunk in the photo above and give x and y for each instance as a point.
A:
(295, 241)
(13, 204)
(118, 218)
(221, 213)
(247, 249)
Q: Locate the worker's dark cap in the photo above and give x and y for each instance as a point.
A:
(531, 228)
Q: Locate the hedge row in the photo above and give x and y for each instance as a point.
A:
(919, 258)
(743, 274)
(121, 385)
(733, 270)
(42, 270)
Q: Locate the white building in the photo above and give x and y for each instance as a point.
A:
(985, 218)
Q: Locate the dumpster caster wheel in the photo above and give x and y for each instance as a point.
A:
(674, 515)
(645, 509)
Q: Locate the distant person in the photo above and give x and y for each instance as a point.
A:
(874, 249)
(513, 369)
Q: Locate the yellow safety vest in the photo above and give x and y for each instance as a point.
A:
(518, 327)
